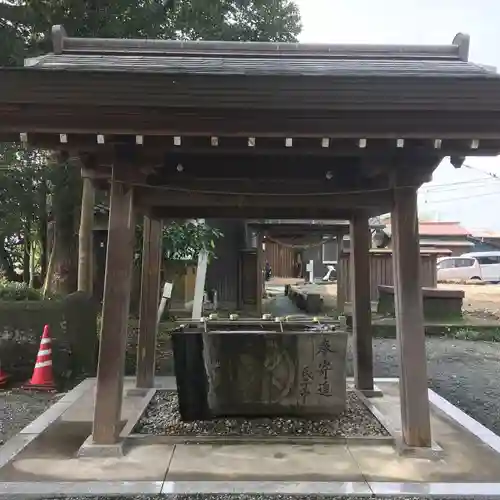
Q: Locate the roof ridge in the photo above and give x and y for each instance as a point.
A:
(457, 50)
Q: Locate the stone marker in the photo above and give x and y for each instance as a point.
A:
(300, 373)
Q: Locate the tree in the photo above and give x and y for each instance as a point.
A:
(21, 210)
(25, 26)
(85, 247)
(30, 21)
(182, 241)
(185, 241)
(243, 20)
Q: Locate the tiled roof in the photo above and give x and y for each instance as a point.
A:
(442, 229)
(484, 233)
(437, 229)
(244, 65)
(259, 58)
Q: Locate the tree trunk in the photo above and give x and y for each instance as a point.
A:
(43, 232)
(85, 271)
(50, 264)
(26, 253)
(32, 264)
(62, 278)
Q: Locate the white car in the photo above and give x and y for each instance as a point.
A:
(484, 266)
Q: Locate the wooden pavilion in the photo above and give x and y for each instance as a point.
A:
(256, 130)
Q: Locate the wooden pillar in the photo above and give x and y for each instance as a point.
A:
(341, 278)
(260, 273)
(150, 292)
(361, 302)
(117, 285)
(410, 320)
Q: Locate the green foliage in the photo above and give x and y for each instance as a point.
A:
(184, 241)
(21, 184)
(12, 291)
(28, 22)
(243, 20)
(34, 183)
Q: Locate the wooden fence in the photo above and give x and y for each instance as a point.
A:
(281, 259)
(381, 272)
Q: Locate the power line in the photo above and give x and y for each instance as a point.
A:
(467, 197)
(489, 174)
(455, 186)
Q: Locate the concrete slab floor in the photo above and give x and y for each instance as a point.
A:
(51, 456)
(263, 462)
(141, 463)
(82, 410)
(464, 458)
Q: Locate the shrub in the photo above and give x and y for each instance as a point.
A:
(12, 291)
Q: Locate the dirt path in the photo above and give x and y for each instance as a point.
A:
(478, 297)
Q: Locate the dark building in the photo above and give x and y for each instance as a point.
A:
(484, 241)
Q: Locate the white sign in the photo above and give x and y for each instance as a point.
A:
(310, 270)
(199, 288)
(167, 290)
(167, 293)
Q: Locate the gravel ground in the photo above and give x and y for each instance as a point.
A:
(463, 372)
(19, 408)
(162, 417)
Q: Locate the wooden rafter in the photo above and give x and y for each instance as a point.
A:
(156, 147)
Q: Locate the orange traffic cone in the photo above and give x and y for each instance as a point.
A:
(42, 378)
(3, 376)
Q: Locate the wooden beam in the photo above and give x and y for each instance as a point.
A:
(410, 320)
(270, 101)
(361, 301)
(240, 176)
(255, 212)
(117, 285)
(150, 291)
(480, 120)
(180, 197)
(277, 232)
(156, 147)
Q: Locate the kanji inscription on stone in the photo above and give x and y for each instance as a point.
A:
(305, 383)
(322, 387)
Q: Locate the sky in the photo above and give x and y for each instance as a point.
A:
(470, 195)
